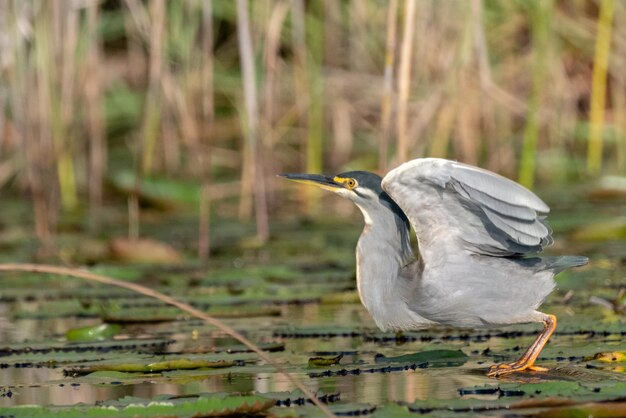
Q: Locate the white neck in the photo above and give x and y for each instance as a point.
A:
(383, 253)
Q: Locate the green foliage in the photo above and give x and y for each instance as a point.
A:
(122, 108)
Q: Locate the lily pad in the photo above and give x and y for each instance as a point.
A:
(135, 344)
(205, 405)
(432, 358)
(593, 409)
(611, 357)
(519, 396)
(93, 333)
(156, 364)
(324, 361)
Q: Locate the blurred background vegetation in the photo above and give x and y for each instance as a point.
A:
(204, 101)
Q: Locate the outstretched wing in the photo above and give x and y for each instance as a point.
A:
(454, 206)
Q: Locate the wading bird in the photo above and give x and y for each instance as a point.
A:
(475, 231)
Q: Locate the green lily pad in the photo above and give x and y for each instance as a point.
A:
(318, 332)
(433, 358)
(135, 315)
(55, 358)
(205, 405)
(144, 345)
(93, 333)
(157, 364)
(514, 396)
(109, 375)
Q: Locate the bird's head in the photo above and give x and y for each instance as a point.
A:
(361, 187)
(357, 186)
(379, 210)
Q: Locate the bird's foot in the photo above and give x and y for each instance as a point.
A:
(498, 370)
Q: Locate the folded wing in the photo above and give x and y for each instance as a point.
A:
(472, 208)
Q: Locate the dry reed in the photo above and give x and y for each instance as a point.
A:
(506, 85)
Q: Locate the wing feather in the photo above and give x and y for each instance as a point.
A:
(499, 206)
(522, 233)
(496, 186)
(475, 209)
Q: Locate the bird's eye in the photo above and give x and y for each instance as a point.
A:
(351, 184)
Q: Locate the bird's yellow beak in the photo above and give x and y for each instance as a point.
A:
(325, 182)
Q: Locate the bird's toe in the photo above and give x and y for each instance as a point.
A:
(498, 370)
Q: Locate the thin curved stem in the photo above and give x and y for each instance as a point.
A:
(66, 271)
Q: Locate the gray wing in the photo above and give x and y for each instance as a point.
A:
(462, 207)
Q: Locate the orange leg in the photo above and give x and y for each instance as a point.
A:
(527, 361)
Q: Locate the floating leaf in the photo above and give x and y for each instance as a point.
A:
(611, 356)
(318, 332)
(433, 358)
(297, 398)
(135, 315)
(523, 396)
(595, 409)
(244, 312)
(203, 405)
(54, 358)
(136, 344)
(392, 410)
(324, 361)
(93, 333)
(147, 366)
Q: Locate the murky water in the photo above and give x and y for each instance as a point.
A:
(302, 308)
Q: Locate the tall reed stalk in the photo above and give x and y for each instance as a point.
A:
(315, 116)
(25, 118)
(598, 88)
(208, 123)
(153, 107)
(404, 81)
(270, 98)
(95, 118)
(541, 17)
(618, 92)
(387, 96)
(309, 197)
(256, 172)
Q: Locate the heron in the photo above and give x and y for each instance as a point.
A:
(477, 233)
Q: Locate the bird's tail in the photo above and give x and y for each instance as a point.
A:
(558, 264)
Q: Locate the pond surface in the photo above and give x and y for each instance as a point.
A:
(296, 298)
